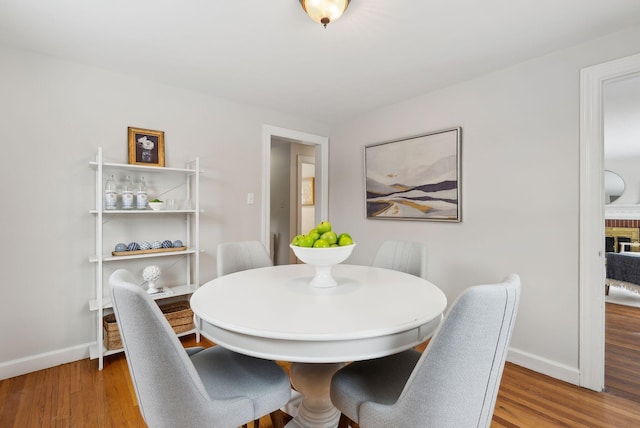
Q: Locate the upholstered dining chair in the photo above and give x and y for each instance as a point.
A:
(243, 255)
(403, 256)
(453, 383)
(197, 387)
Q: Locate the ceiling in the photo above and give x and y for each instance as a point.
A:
(268, 53)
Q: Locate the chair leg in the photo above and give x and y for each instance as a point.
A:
(344, 421)
(276, 419)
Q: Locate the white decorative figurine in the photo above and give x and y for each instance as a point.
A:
(151, 275)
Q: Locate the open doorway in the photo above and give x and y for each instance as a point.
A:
(292, 209)
(292, 160)
(592, 221)
(621, 133)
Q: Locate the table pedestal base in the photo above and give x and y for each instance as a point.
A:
(313, 381)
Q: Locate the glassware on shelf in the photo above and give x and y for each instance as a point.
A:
(110, 194)
(141, 195)
(127, 194)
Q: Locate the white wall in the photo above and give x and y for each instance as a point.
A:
(520, 190)
(520, 186)
(621, 104)
(54, 115)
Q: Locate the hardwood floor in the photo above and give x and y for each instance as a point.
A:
(622, 352)
(78, 395)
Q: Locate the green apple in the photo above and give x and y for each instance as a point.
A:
(320, 243)
(306, 241)
(323, 227)
(330, 237)
(314, 235)
(345, 240)
(343, 234)
(296, 239)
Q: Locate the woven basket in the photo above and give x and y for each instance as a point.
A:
(179, 315)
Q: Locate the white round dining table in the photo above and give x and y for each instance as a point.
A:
(274, 313)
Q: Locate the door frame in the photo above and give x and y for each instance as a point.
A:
(299, 161)
(321, 144)
(592, 273)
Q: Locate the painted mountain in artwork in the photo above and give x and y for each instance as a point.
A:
(430, 191)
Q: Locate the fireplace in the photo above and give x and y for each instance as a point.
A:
(614, 236)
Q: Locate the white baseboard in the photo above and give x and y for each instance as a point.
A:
(544, 366)
(43, 361)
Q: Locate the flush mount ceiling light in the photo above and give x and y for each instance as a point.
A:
(324, 11)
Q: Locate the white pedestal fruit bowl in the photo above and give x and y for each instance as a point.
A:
(323, 259)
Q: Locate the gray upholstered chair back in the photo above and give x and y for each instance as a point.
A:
(455, 383)
(169, 390)
(238, 256)
(403, 256)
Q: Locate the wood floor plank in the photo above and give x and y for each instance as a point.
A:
(87, 403)
(63, 403)
(543, 401)
(47, 396)
(78, 395)
(10, 398)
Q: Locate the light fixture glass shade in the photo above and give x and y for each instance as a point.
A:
(324, 11)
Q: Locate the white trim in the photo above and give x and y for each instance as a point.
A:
(591, 352)
(544, 366)
(630, 211)
(322, 199)
(43, 361)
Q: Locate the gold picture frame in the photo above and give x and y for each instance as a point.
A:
(307, 194)
(146, 147)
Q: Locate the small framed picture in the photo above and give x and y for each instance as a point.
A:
(308, 191)
(146, 147)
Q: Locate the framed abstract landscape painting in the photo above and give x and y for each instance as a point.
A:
(416, 178)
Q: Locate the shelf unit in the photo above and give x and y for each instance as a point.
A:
(173, 179)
